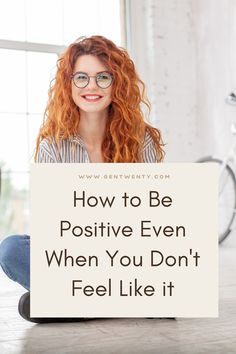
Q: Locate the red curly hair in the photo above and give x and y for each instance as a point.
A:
(125, 128)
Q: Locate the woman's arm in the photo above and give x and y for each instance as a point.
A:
(44, 155)
(149, 150)
(149, 154)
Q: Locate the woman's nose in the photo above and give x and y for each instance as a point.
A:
(92, 82)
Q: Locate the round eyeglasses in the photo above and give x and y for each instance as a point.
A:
(103, 79)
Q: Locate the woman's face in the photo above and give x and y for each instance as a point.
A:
(84, 98)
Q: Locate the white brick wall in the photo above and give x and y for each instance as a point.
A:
(185, 51)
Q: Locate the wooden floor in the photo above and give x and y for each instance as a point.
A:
(125, 335)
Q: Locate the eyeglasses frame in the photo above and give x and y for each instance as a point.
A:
(81, 72)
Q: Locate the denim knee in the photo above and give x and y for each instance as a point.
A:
(9, 249)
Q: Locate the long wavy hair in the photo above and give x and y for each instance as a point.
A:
(126, 127)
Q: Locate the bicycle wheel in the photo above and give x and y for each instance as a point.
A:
(227, 198)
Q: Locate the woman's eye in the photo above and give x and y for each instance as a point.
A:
(104, 77)
(81, 77)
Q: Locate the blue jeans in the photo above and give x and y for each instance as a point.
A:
(15, 259)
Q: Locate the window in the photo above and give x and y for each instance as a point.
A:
(31, 37)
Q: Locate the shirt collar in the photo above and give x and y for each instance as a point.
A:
(77, 139)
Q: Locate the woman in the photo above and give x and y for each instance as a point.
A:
(93, 115)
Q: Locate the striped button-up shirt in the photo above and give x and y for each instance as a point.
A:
(74, 150)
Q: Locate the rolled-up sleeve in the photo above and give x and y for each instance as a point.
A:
(43, 155)
(150, 154)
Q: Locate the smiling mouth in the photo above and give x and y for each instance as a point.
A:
(92, 98)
